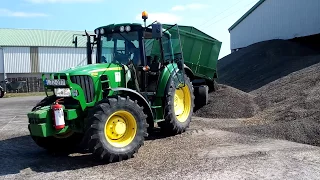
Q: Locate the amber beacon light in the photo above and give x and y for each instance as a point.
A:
(144, 15)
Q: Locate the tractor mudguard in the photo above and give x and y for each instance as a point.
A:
(136, 96)
(188, 71)
(168, 71)
(165, 75)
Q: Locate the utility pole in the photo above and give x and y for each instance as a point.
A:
(4, 72)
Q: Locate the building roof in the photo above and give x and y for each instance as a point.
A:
(39, 38)
(246, 14)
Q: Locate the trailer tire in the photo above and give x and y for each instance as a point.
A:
(201, 94)
(116, 129)
(174, 124)
(213, 85)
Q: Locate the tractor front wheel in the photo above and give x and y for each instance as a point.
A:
(116, 129)
(66, 142)
(179, 104)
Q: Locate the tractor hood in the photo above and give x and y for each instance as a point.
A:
(92, 69)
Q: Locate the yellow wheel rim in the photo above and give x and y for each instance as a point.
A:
(120, 129)
(182, 103)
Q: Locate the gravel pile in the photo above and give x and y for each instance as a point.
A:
(228, 102)
(261, 63)
(290, 106)
(280, 99)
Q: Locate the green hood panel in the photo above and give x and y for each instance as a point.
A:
(92, 68)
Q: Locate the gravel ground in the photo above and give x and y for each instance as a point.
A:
(205, 151)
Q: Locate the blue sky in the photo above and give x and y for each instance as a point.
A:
(213, 17)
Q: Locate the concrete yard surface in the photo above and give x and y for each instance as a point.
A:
(205, 151)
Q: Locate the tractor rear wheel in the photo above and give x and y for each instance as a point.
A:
(179, 104)
(63, 143)
(116, 129)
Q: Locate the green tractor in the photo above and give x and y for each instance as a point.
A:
(110, 106)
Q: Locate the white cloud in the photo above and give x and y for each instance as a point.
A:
(194, 6)
(9, 13)
(62, 1)
(161, 17)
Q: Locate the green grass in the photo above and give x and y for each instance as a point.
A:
(9, 95)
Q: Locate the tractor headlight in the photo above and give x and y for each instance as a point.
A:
(121, 28)
(96, 31)
(128, 28)
(62, 92)
(101, 31)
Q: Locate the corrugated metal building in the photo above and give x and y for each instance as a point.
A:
(32, 52)
(276, 19)
(28, 53)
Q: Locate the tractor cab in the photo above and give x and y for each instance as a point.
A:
(144, 51)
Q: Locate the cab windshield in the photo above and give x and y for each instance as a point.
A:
(120, 48)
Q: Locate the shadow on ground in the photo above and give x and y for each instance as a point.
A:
(21, 153)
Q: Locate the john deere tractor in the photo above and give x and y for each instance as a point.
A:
(108, 107)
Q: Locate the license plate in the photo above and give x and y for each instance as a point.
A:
(55, 82)
(62, 92)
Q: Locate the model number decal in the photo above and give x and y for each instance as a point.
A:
(117, 77)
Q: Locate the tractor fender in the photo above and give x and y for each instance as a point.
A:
(188, 71)
(169, 71)
(136, 96)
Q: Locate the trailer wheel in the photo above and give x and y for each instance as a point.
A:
(116, 129)
(213, 85)
(62, 143)
(201, 96)
(179, 104)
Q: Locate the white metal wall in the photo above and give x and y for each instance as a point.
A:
(277, 19)
(57, 59)
(17, 59)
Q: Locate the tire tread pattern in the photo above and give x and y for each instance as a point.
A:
(171, 125)
(94, 135)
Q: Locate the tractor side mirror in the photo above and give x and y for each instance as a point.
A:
(157, 30)
(75, 42)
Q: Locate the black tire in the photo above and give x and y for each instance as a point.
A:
(64, 143)
(67, 144)
(171, 125)
(44, 102)
(1, 93)
(201, 94)
(213, 86)
(95, 137)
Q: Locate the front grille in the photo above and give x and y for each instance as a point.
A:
(86, 83)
